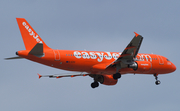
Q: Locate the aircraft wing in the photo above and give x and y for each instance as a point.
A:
(64, 75)
(130, 52)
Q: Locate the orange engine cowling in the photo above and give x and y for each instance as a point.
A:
(141, 66)
(108, 80)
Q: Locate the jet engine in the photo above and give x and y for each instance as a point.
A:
(141, 66)
(108, 80)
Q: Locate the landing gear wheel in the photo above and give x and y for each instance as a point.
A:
(157, 82)
(116, 76)
(94, 84)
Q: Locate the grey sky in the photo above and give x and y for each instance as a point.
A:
(102, 25)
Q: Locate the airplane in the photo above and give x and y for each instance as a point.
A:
(104, 67)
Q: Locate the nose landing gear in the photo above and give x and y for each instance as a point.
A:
(157, 81)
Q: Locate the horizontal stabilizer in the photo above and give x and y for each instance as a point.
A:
(13, 58)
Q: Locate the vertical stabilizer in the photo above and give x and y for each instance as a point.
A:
(29, 35)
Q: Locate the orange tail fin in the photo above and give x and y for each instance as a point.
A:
(29, 35)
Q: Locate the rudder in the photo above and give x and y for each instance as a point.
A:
(29, 35)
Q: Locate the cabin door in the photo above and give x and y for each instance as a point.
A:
(56, 55)
(161, 61)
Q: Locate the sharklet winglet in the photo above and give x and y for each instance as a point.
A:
(39, 76)
(136, 34)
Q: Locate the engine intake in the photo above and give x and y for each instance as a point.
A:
(134, 66)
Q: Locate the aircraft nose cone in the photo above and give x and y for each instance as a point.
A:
(173, 67)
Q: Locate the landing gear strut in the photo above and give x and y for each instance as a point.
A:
(157, 81)
(94, 84)
(117, 76)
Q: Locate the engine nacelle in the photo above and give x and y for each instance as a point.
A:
(141, 66)
(108, 80)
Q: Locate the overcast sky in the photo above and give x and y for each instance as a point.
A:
(96, 25)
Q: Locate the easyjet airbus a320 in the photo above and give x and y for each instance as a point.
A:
(104, 67)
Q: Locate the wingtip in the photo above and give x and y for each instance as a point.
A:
(136, 34)
(39, 76)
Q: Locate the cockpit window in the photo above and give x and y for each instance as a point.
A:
(167, 59)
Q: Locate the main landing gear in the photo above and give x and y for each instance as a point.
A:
(157, 81)
(94, 84)
(97, 79)
(117, 76)
(100, 79)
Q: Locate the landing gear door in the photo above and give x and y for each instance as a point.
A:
(56, 55)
